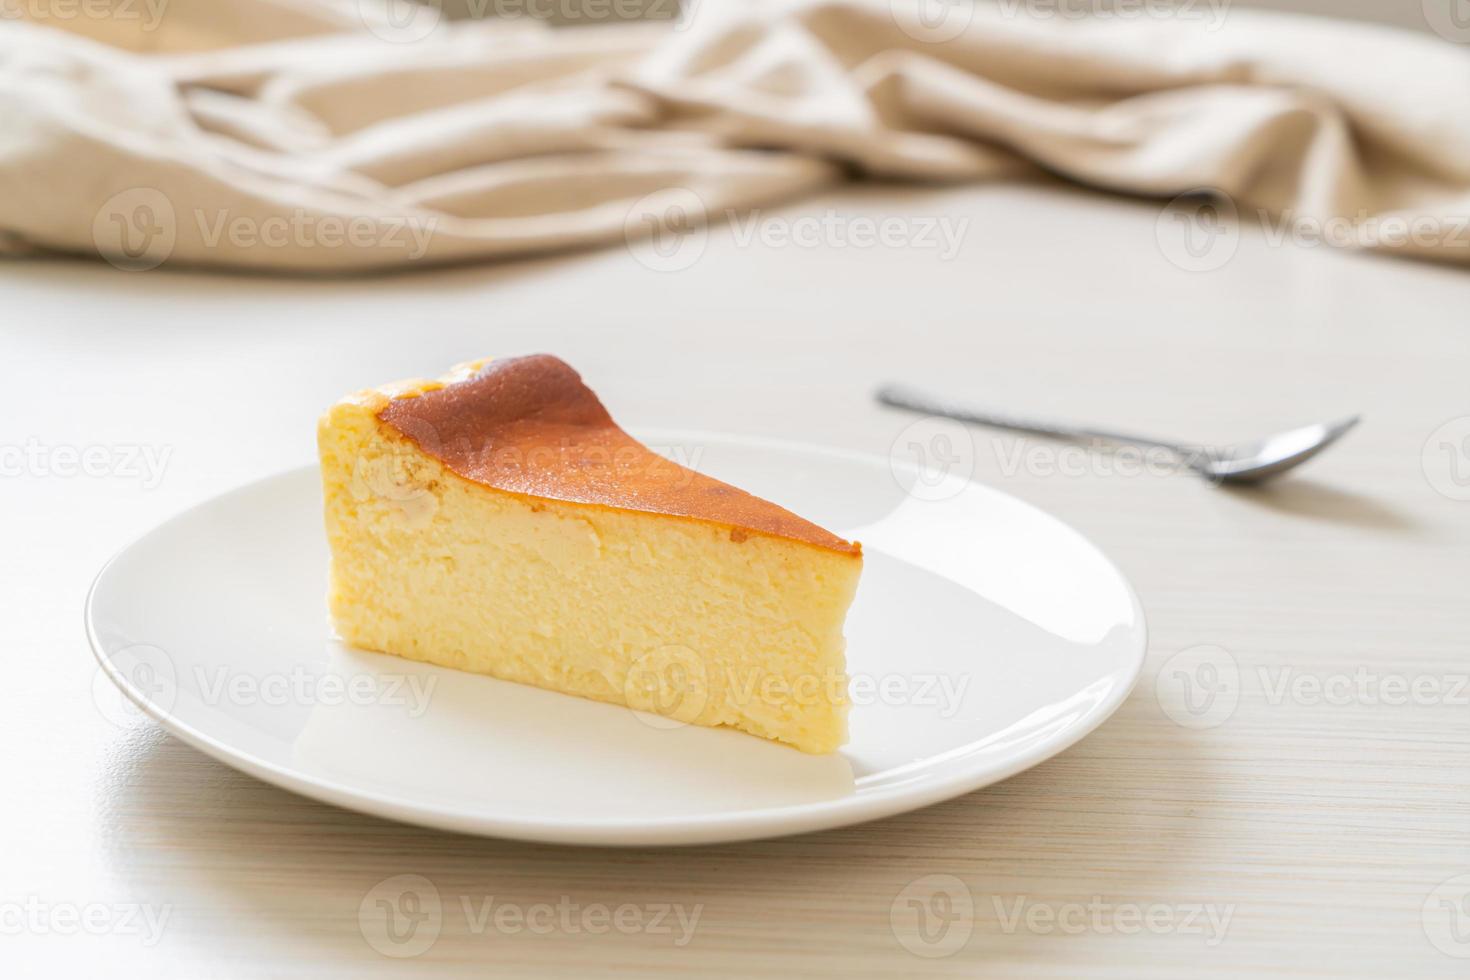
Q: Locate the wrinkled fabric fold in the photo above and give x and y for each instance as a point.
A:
(294, 135)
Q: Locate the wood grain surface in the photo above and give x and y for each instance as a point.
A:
(1313, 821)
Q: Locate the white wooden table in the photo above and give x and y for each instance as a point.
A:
(1307, 831)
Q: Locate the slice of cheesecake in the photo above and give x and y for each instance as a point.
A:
(497, 520)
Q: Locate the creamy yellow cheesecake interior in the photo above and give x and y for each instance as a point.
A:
(497, 520)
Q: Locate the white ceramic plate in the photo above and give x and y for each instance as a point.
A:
(986, 637)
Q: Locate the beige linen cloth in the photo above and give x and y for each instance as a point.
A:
(328, 135)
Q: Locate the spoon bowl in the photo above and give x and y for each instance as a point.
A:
(1253, 462)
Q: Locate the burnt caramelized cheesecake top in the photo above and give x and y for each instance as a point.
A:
(529, 425)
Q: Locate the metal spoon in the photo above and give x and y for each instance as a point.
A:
(1246, 462)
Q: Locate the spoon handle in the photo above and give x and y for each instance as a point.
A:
(899, 396)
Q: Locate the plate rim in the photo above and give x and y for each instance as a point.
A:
(729, 826)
